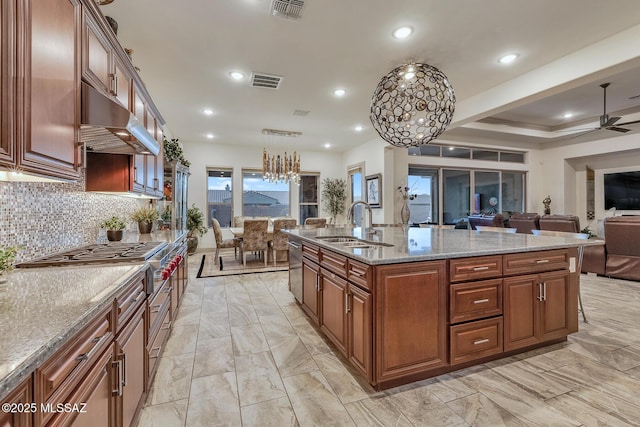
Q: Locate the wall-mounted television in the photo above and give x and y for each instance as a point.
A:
(622, 190)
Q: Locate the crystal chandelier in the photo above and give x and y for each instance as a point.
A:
(412, 105)
(280, 168)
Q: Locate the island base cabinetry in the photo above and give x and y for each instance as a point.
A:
(398, 323)
(22, 395)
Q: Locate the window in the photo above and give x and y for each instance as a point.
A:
(486, 192)
(455, 195)
(435, 150)
(356, 185)
(308, 197)
(263, 198)
(513, 192)
(423, 182)
(219, 196)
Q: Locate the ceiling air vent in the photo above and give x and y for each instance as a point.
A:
(277, 132)
(265, 80)
(291, 9)
(301, 113)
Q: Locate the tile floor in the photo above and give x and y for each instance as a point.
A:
(243, 354)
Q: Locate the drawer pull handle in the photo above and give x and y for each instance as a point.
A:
(166, 328)
(88, 354)
(156, 308)
(169, 289)
(482, 341)
(481, 301)
(542, 261)
(354, 273)
(157, 349)
(480, 268)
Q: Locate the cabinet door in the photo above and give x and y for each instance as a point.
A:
(359, 320)
(132, 354)
(7, 82)
(310, 290)
(554, 315)
(520, 303)
(52, 105)
(96, 57)
(139, 160)
(151, 183)
(333, 322)
(21, 395)
(160, 161)
(122, 84)
(411, 319)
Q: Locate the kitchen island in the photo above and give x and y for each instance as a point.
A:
(403, 304)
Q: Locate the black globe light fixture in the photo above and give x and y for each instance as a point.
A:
(413, 104)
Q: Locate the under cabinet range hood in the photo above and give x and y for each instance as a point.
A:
(108, 127)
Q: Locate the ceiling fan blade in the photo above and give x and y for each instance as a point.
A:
(618, 129)
(611, 121)
(584, 133)
(575, 130)
(629, 123)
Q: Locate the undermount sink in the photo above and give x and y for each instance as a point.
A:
(349, 242)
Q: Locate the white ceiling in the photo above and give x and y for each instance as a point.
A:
(186, 49)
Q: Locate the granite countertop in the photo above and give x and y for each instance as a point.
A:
(169, 236)
(411, 244)
(40, 308)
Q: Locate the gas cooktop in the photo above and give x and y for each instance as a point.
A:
(99, 254)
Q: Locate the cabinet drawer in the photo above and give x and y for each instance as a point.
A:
(359, 274)
(64, 369)
(154, 350)
(475, 340)
(335, 263)
(311, 251)
(157, 306)
(482, 267)
(128, 300)
(471, 301)
(534, 262)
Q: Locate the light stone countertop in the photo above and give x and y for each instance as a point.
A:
(411, 244)
(40, 308)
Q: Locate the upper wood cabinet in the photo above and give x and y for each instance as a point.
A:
(40, 90)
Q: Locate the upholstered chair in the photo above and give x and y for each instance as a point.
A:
(524, 222)
(567, 223)
(315, 222)
(496, 220)
(238, 221)
(223, 243)
(254, 238)
(280, 240)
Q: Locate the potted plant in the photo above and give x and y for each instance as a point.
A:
(173, 151)
(145, 216)
(7, 256)
(114, 227)
(166, 218)
(195, 227)
(334, 195)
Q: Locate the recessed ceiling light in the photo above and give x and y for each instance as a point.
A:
(507, 59)
(327, 145)
(207, 112)
(359, 128)
(339, 92)
(403, 32)
(210, 136)
(236, 75)
(567, 115)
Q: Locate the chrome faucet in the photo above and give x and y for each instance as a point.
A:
(351, 209)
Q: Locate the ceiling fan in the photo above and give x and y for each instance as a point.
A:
(610, 123)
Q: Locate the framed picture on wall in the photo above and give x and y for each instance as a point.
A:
(374, 190)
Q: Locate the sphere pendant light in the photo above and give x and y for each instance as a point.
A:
(413, 104)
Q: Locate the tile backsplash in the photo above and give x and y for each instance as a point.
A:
(45, 217)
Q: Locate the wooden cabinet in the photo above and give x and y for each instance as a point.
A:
(41, 91)
(23, 394)
(311, 302)
(475, 340)
(475, 300)
(333, 319)
(131, 362)
(359, 330)
(411, 320)
(535, 308)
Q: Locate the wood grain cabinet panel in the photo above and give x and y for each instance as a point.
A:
(475, 340)
(23, 394)
(311, 290)
(411, 319)
(482, 267)
(359, 326)
(534, 262)
(475, 300)
(8, 73)
(333, 321)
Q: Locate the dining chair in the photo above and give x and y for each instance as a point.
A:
(315, 222)
(223, 243)
(254, 238)
(582, 236)
(238, 221)
(280, 240)
(495, 229)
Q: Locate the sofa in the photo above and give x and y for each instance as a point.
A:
(492, 220)
(524, 222)
(567, 223)
(620, 255)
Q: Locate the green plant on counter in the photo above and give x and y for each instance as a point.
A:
(334, 195)
(113, 223)
(166, 215)
(146, 214)
(588, 231)
(173, 151)
(195, 222)
(7, 257)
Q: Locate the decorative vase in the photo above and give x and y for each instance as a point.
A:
(114, 235)
(405, 213)
(145, 227)
(192, 245)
